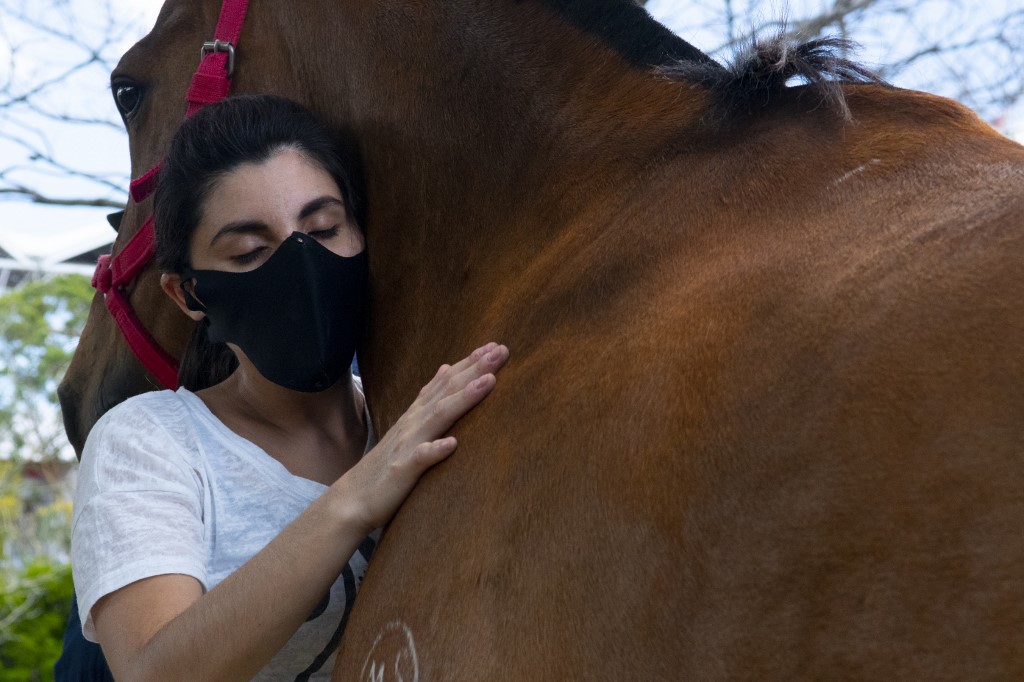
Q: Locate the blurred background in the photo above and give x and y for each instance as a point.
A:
(64, 166)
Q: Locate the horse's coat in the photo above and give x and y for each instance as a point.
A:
(765, 412)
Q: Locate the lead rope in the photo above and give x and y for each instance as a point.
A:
(114, 274)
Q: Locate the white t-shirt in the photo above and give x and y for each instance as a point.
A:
(165, 487)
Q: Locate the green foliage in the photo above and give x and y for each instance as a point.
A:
(35, 518)
(35, 578)
(34, 605)
(40, 323)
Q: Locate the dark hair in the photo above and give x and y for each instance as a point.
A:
(210, 144)
(763, 70)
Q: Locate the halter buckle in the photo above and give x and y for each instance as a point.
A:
(220, 46)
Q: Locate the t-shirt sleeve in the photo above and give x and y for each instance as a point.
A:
(138, 509)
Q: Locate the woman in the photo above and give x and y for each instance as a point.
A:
(211, 527)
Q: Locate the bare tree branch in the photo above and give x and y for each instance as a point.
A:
(834, 16)
(60, 51)
(36, 198)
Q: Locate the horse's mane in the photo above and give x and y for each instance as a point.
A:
(762, 70)
(757, 77)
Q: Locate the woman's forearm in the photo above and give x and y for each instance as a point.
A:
(233, 631)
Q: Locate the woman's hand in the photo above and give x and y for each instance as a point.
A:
(385, 476)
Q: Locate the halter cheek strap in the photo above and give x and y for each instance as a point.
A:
(115, 273)
(112, 277)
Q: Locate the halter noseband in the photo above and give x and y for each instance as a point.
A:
(114, 274)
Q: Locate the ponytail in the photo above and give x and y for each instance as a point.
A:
(205, 363)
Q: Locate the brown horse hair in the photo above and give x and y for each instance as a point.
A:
(762, 70)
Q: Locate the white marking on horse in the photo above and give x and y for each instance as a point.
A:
(859, 169)
(396, 636)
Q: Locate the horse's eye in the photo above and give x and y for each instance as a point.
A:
(127, 96)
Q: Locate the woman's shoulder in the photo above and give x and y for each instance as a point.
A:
(150, 426)
(163, 410)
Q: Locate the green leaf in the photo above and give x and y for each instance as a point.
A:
(34, 604)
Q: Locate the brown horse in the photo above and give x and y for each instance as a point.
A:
(765, 413)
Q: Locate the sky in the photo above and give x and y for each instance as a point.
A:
(41, 232)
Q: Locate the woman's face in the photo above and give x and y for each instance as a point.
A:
(252, 209)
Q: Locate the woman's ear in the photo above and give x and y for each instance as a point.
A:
(171, 284)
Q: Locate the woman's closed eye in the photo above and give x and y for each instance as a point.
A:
(259, 252)
(329, 233)
(250, 257)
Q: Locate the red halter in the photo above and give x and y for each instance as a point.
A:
(210, 83)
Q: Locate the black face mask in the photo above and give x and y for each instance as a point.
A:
(297, 317)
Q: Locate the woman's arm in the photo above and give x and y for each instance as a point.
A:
(165, 628)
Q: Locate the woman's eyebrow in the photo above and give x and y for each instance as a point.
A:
(319, 203)
(240, 227)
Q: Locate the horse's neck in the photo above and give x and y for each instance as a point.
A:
(485, 128)
(474, 117)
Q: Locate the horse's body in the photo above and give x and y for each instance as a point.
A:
(765, 412)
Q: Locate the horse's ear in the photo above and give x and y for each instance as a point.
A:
(115, 219)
